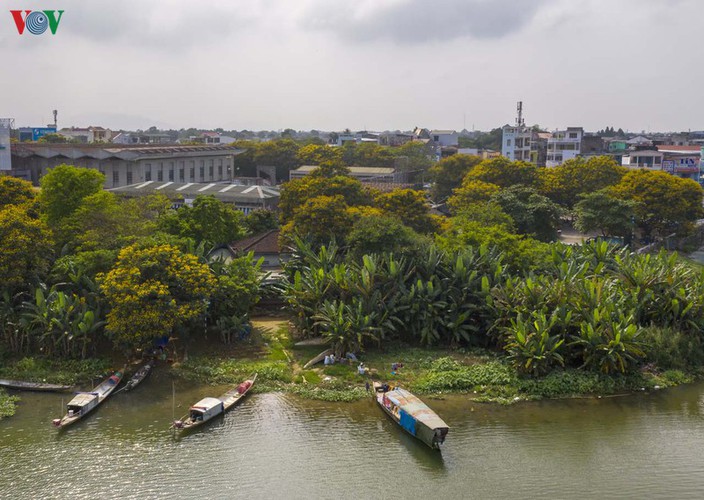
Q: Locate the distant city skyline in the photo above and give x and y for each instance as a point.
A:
(376, 65)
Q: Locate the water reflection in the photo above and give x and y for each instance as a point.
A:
(275, 445)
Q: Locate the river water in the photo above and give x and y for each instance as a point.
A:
(280, 446)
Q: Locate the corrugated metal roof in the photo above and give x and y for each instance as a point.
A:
(221, 191)
(413, 406)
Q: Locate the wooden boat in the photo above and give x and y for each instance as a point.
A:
(139, 376)
(411, 414)
(85, 402)
(318, 358)
(21, 385)
(208, 408)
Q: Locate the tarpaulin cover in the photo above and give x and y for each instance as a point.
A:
(408, 422)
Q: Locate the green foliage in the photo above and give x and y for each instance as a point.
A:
(449, 172)
(56, 371)
(154, 290)
(504, 173)
(63, 189)
(260, 221)
(411, 207)
(532, 213)
(530, 345)
(297, 192)
(473, 192)
(602, 211)
(565, 183)
(25, 248)
(209, 219)
(14, 191)
(664, 203)
(448, 376)
(321, 220)
(382, 234)
(7, 404)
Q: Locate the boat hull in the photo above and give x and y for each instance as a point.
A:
(432, 437)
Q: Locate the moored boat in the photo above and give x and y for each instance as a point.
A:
(208, 408)
(139, 376)
(21, 385)
(414, 416)
(85, 402)
(320, 357)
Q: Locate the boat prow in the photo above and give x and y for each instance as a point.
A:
(412, 414)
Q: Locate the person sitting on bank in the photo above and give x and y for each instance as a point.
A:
(361, 369)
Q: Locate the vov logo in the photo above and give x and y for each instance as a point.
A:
(37, 21)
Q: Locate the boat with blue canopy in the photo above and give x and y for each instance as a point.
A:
(412, 414)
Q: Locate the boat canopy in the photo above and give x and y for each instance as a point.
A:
(414, 407)
(206, 404)
(83, 399)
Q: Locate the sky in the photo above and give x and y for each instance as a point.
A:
(363, 65)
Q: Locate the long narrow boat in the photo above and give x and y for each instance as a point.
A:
(139, 376)
(85, 402)
(320, 357)
(411, 414)
(208, 408)
(21, 385)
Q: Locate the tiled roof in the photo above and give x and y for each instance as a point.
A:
(262, 243)
(680, 149)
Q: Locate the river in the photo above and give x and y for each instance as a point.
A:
(280, 446)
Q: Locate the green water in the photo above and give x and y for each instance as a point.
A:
(279, 446)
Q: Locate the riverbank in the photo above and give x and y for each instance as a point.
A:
(481, 375)
(270, 351)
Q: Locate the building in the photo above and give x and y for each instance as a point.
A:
(87, 135)
(264, 246)
(645, 158)
(394, 138)
(363, 174)
(126, 165)
(564, 145)
(244, 198)
(682, 161)
(445, 138)
(28, 134)
(5, 156)
(141, 138)
(213, 138)
(516, 142)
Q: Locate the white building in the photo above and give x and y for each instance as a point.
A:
(564, 145)
(516, 143)
(649, 159)
(445, 138)
(88, 135)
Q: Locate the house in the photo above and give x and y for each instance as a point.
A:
(87, 135)
(564, 145)
(264, 246)
(445, 138)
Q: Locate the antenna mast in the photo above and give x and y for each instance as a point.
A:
(520, 122)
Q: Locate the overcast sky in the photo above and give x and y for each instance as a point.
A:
(364, 64)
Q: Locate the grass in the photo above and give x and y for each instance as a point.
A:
(66, 371)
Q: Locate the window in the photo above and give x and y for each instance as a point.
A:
(202, 170)
(508, 142)
(211, 170)
(129, 177)
(220, 171)
(160, 175)
(181, 174)
(573, 135)
(192, 178)
(148, 172)
(115, 177)
(171, 175)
